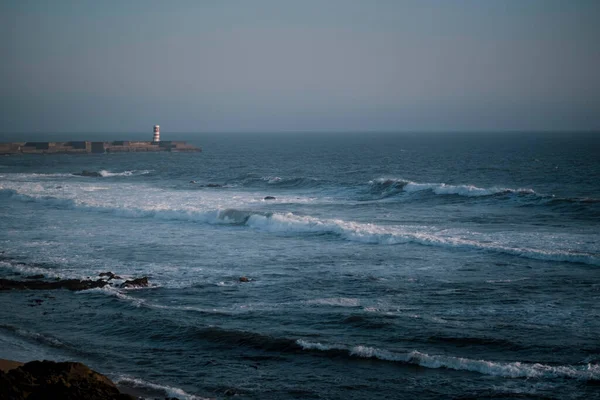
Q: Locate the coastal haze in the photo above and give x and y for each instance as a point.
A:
(393, 199)
(81, 66)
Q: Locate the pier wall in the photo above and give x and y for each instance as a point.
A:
(86, 147)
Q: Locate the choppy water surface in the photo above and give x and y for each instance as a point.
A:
(387, 266)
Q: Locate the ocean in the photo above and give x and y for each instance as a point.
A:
(387, 266)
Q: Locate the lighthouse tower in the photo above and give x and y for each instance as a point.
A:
(156, 138)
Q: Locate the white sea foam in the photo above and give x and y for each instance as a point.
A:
(306, 345)
(335, 301)
(25, 269)
(165, 390)
(27, 176)
(106, 173)
(288, 223)
(271, 179)
(116, 292)
(376, 234)
(504, 369)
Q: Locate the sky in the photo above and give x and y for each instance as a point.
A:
(309, 65)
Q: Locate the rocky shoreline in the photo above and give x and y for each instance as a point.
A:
(37, 282)
(41, 380)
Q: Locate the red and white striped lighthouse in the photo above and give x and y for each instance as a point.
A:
(156, 134)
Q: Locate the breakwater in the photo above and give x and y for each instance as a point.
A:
(87, 147)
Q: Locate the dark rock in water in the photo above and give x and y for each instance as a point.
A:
(270, 198)
(231, 392)
(109, 275)
(40, 276)
(89, 173)
(139, 282)
(244, 279)
(213, 185)
(70, 284)
(41, 380)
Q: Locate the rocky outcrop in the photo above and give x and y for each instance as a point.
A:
(139, 282)
(70, 284)
(41, 380)
(89, 173)
(109, 275)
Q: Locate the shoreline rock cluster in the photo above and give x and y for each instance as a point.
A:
(37, 282)
(42, 380)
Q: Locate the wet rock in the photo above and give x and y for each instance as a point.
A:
(89, 173)
(270, 198)
(231, 392)
(70, 284)
(109, 275)
(41, 380)
(139, 282)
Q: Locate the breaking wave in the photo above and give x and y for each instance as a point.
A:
(504, 369)
(389, 187)
(291, 224)
(154, 389)
(376, 234)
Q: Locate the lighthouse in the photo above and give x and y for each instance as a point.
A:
(156, 138)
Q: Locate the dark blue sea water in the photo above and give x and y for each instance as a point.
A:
(388, 266)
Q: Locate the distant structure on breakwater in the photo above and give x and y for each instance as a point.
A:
(85, 147)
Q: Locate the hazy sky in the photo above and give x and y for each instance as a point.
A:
(322, 65)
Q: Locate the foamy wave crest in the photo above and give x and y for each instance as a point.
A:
(504, 369)
(24, 269)
(106, 173)
(392, 185)
(306, 345)
(289, 223)
(335, 301)
(161, 390)
(375, 234)
(116, 292)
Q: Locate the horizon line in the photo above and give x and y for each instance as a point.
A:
(483, 131)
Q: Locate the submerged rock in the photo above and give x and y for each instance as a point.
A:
(42, 380)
